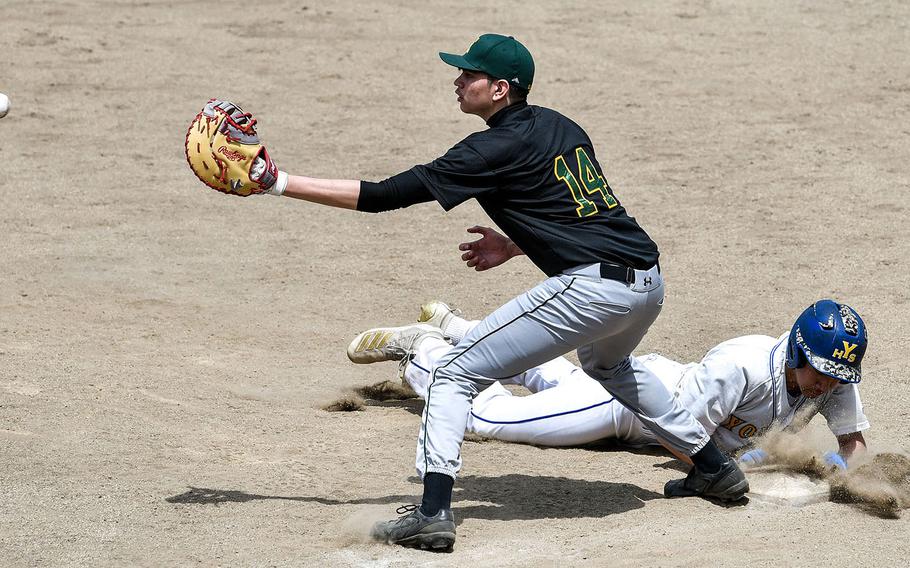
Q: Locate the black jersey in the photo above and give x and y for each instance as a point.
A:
(535, 174)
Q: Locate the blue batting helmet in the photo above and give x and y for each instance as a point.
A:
(832, 338)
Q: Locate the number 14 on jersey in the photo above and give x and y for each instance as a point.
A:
(591, 183)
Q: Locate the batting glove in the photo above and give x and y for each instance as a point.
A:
(281, 178)
(834, 459)
(754, 457)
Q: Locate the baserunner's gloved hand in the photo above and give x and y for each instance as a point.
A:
(754, 457)
(834, 459)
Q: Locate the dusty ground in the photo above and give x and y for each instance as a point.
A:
(165, 350)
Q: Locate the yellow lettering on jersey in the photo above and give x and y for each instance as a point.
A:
(747, 431)
(740, 426)
(732, 422)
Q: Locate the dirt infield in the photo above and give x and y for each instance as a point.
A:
(165, 351)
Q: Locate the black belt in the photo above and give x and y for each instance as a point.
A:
(619, 273)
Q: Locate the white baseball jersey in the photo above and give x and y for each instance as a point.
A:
(736, 392)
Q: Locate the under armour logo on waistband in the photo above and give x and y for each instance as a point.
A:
(647, 280)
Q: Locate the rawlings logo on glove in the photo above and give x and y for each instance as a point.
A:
(223, 150)
(231, 154)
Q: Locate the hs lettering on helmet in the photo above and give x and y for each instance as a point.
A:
(846, 353)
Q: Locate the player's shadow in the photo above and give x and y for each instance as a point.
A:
(507, 497)
(673, 465)
(607, 446)
(517, 496)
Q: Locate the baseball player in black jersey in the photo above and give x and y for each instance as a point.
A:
(536, 174)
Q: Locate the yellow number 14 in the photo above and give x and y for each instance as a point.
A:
(591, 180)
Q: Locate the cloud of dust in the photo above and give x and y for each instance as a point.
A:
(387, 390)
(348, 402)
(794, 452)
(355, 399)
(355, 529)
(878, 484)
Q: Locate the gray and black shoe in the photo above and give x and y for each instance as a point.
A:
(415, 529)
(728, 484)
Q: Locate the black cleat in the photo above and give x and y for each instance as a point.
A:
(728, 484)
(417, 530)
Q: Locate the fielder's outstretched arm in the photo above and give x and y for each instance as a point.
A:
(402, 190)
(343, 193)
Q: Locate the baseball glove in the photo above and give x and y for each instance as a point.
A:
(223, 150)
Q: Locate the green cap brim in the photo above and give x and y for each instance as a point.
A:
(457, 61)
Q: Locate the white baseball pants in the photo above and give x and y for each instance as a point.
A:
(567, 407)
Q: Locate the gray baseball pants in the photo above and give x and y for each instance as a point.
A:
(603, 319)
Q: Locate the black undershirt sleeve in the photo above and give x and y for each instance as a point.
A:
(402, 190)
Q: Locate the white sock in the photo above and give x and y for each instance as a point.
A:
(457, 327)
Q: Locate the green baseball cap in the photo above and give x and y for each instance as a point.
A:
(499, 56)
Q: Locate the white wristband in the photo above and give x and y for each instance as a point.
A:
(280, 184)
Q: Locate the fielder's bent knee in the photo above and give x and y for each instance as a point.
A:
(454, 374)
(606, 373)
(451, 373)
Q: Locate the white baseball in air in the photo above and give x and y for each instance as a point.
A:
(4, 105)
